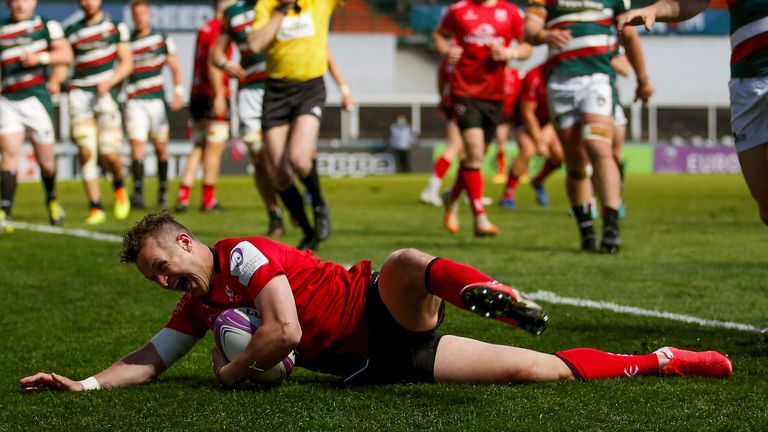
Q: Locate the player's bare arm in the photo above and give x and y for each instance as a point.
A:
(534, 32)
(124, 68)
(452, 52)
(260, 37)
(178, 80)
(59, 74)
(59, 53)
(279, 333)
(137, 367)
(217, 57)
(347, 101)
(215, 75)
(630, 40)
(663, 11)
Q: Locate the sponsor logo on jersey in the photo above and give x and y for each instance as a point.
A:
(484, 35)
(244, 260)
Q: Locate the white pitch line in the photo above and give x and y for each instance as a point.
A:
(92, 235)
(550, 297)
(545, 296)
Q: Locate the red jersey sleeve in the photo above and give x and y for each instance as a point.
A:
(185, 319)
(254, 263)
(448, 23)
(531, 82)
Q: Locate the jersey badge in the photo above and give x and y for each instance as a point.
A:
(244, 260)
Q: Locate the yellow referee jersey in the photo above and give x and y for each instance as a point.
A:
(299, 52)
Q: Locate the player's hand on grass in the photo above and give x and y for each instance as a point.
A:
(454, 54)
(645, 16)
(42, 381)
(558, 38)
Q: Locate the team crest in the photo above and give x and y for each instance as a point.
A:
(500, 15)
(470, 15)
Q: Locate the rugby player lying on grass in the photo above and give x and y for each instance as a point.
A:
(369, 327)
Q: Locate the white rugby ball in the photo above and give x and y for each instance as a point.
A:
(233, 330)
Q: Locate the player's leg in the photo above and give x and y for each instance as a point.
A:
(249, 107)
(527, 148)
(192, 164)
(160, 134)
(461, 360)
(754, 168)
(137, 124)
(502, 136)
(597, 132)
(453, 146)
(84, 134)
(578, 184)
(619, 137)
(38, 119)
(749, 103)
(110, 139)
(412, 284)
(216, 139)
(10, 150)
(551, 164)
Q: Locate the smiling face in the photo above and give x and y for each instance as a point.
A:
(177, 264)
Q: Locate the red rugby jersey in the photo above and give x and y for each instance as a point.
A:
(206, 38)
(512, 84)
(476, 28)
(329, 299)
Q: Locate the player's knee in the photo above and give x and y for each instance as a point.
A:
(580, 172)
(597, 132)
(302, 165)
(254, 141)
(159, 136)
(218, 133)
(137, 133)
(110, 140)
(405, 260)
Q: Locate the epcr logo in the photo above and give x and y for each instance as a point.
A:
(237, 257)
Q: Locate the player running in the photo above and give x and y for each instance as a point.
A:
(483, 32)
(581, 43)
(211, 130)
(145, 111)
(28, 44)
(370, 327)
(535, 134)
(102, 61)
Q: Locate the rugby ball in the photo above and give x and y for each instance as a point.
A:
(233, 330)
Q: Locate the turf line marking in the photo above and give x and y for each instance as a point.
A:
(550, 297)
(92, 235)
(545, 296)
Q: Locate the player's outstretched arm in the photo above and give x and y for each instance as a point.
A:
(662, 10)
(347, 101)
(135, 368)
(178, 81)
(534, 32)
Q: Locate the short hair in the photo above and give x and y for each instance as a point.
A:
(151, 225)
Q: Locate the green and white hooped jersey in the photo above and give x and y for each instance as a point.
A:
(592, 25)
(238, 23)
(749, 38)
(16, 38)
(149, 56)
(95, 48)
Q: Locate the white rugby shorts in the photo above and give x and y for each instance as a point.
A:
(249, 110)
(145, 118)
(26, 115)
(749, 111)
(619, 118)
(571, 96)
(84, 105)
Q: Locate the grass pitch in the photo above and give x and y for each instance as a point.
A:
(692, 245)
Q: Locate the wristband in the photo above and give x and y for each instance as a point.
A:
(90, 383)
(44, 58)
(179, 90)
(344, 90)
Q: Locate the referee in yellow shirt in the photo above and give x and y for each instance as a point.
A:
(294, 36)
